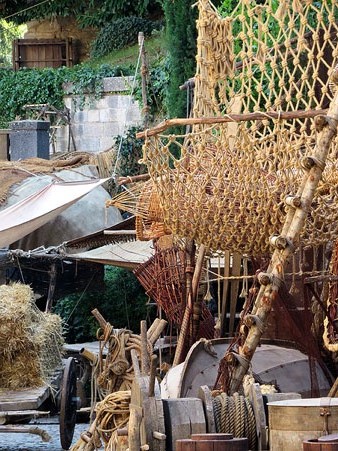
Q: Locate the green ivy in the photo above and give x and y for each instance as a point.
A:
(121, 33)
(130, 153)
(34, 86)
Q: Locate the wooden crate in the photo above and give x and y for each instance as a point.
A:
(35, 53)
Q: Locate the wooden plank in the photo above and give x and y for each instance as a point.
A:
(26, 399)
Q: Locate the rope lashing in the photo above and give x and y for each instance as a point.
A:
(234, 415)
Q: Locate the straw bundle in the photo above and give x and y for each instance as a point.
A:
(30, 341)
(16, 315)
(21, 372)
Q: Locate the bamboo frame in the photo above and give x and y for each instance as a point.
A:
(244, 117)
(294, 222)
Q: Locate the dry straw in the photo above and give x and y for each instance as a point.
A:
(30, 341)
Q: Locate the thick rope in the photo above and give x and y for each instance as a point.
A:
(234, 415)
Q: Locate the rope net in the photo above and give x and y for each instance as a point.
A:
(224, 184)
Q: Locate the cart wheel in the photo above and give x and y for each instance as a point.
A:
(68, 404)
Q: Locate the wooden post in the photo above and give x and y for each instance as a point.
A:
(134, 438)
(145, 360)
(99, 318)
(51, 289)
(185, 325)
(288, 241)
(197, 303)
(144, 77)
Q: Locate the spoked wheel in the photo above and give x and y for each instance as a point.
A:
(68, 404)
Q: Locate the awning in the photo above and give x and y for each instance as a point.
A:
(126, 255)
(37, 209)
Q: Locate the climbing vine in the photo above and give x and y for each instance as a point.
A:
(33, 86)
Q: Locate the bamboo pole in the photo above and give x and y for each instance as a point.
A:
(243, 117)
(287, 242)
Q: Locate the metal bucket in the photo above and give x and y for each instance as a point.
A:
(291, 422)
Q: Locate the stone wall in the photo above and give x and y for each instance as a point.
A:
(96, 127)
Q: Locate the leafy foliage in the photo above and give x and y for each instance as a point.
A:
(32, 86)
(89, 13)
(121, 33)
(181, 41)
(121, 301)
(130, 153)
(8, 32)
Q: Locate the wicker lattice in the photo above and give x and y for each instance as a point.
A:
(163, 277)
(228, 186)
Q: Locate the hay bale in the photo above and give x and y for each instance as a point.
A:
(21, 372)
(16, 316)
(31, 341)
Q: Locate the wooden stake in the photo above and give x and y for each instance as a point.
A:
(145, 361)
(99, 318)
(134, 438)
(161, 325)
(144, 77)
(314, 164)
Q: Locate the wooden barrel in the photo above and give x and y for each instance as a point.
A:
(325, 443)
(315, 445)
(213, 443)
(214, 436)
(293, 422)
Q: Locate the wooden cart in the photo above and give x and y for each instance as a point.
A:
(21, 406)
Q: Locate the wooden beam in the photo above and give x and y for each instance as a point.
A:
(244, 117)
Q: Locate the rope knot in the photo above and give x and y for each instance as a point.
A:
(119, 367)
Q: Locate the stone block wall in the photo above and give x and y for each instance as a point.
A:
(96, 127)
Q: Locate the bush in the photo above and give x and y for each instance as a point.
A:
(121, 301)
(120, 33)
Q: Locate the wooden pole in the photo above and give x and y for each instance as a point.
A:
(134, 438)
(288, 241)
(197, 303)
(97, 315)
(133, 179)
(145, 360)
(144, 77)
(51, 289)
(184, 332)
(244, 117)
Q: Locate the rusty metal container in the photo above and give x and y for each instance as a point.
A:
(293, 422)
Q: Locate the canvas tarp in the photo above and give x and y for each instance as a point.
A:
(125, 255)
(40, 207)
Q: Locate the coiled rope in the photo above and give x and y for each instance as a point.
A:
(112, 414)
(234, 415)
